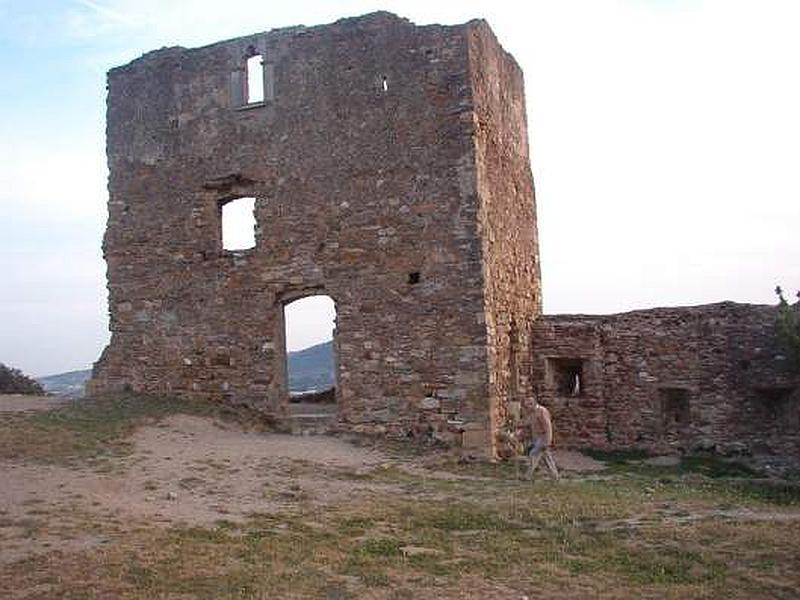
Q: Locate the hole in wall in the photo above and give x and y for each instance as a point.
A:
(566, 376)
(413, 278)
(238, 224)
(675, 410)
(776, 408)
(384, 83)
(310, 325)
(775, 394)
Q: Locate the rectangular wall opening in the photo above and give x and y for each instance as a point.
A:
(675, 409)
(238, 224)
(776, 408)
(566, 376)
(255, 79)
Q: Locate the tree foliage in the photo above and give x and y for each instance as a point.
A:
(14, 381)
(789, 327)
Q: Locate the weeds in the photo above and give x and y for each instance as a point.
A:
(412, 535)
(88, 430)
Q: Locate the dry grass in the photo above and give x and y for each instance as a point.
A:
(90, 430)
(419, 536)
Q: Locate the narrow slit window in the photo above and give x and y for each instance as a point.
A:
(238, 224)
(384, 83)
(255, 79)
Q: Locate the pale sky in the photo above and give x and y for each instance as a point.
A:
(665, 147)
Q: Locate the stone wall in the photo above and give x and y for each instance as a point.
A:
(389, 166)
(372, 186)
(507, 219)
(710, 377)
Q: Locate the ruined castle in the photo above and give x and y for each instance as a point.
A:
(390, 170)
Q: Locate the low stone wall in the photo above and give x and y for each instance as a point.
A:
(706, 377)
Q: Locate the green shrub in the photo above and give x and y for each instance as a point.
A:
(14, 381)
(789, 328)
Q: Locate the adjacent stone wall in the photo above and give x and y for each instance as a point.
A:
(363, 159)
(709, 377)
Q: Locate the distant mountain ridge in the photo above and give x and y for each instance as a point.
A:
(310, 369)
(67, 385)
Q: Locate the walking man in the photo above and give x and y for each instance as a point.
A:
(536, 429)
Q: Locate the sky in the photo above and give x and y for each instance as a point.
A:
(665, 148)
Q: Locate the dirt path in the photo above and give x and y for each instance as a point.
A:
(189, 469)
(185, 470)
(194, 471)
(210, 486)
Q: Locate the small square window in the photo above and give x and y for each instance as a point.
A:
(675, 411)
(566, 376)
(775, 405)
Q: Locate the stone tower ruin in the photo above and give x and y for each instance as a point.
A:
(389, 166)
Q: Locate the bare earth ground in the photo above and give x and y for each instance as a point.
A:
(129, 499)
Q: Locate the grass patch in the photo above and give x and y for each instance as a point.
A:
(663, 566)
(638, 532)
(379, 547)
(714, 467)
(526, 543)
(778, 493)
(616, 457)
(633, 462)
(89, 429)
(463, 517)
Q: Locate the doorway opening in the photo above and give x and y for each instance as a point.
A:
(310, 329)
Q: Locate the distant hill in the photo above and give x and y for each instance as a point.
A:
(312, 368)
(309, 369)
(67, 385)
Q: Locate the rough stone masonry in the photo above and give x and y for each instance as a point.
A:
(389, 166)
(390, 170)
(710, 377)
